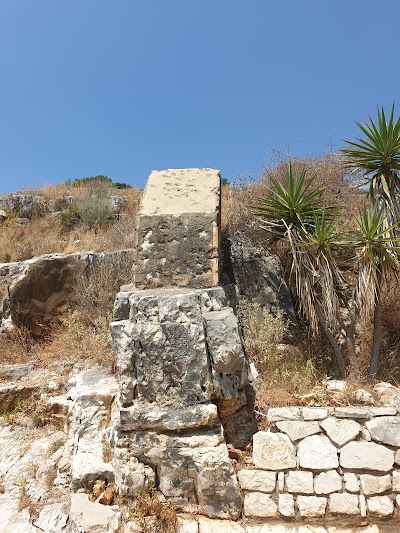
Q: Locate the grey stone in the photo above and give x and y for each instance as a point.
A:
(299, 482)
(327, 482)
(385, 429)
(273, 451)
(286, 505)
(365, 434)
(16, 371)
(380, 506)
(351, 483)
(387, 394)
(276, 414)
(314, 413)
(311, 506)
(360, 455)
(382, 411)
(53, 518)
(340, 432)
(363, 396)
(297, 429)
(259, 505)
(375, 484)
(343, 503)
(257, 480)
(352, 412)
(317, 453)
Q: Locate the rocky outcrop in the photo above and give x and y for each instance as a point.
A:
(178, 230)
(43, 289)
(178, 351)
(256, 275)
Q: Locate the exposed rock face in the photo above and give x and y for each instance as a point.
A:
(177, 351)
(257, 275)
(42, 289)
(178, 230)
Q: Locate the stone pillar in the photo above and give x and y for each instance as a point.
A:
(178, 229)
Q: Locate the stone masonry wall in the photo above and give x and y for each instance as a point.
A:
(316, 462)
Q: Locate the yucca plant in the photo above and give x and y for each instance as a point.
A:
(377, 263)
(295, 213)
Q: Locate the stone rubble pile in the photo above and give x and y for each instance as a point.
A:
(317, 462)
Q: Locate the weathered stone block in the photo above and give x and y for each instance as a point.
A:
(317, 453)
(257, 480)
(396, 480)
(360, 455)
(299, 482)
(314, 413)
(380, 506)
(273, 451)
(385, 429)
(340, 432)
(276, 414)
(286, 505)
(297, 429)
(346, 504)
(178, 228)
(375, 484)
(327, 482)
(257, 504)
(351, 483)
(311, 506)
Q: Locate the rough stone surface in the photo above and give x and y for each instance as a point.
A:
(276, 414)
(286, 505)
(257, 480)
(273, 451)
(343, 503)
(385, 429)
(298, 430)
(351, 483)
(352, 412)
(53, 518)
(396, 480)
(327, 482)
(387, 394)
(375, 484)
(314, 413)
(360, 455)
(380, 506)
(92, 517)
(178, 229)
(317, 453)
(311, 506)
(300, 482)
(257, 504)
(397, 457)
(340, 432)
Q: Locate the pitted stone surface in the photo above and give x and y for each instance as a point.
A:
(361, 455)
(317, 453)
(178, 229)
(273, 451)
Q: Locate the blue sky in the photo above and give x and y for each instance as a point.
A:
(123, 87)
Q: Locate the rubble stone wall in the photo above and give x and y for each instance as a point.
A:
(322, 462)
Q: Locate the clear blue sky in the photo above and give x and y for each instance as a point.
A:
(123, 87)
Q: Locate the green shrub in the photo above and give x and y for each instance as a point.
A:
(92, 212)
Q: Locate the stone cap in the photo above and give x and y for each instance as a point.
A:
(178, 191)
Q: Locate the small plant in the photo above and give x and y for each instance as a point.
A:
(54, 446)
(152, 515)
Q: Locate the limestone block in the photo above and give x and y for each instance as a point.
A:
(53, 518)
(361, 455)
(273, 451)
(311, 506)
(397, 458)
(276, 414)
(340, 432)
(297, 429)
(281, 481)
(396, 480)
(286, 505)
(385, 429)
(178, 229)
(207, 525)
(317, 453)
(226, 352)
(363, 505)
(300, 482)
(380, 506)
(314, 413)
(352, 412)
(351, 483)
(398, 501)
(365, 434)
(343, 503)
(382, 411)
(92, 517)
(375, 484)
(327, 482)
(257, 480)
(259, 505)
